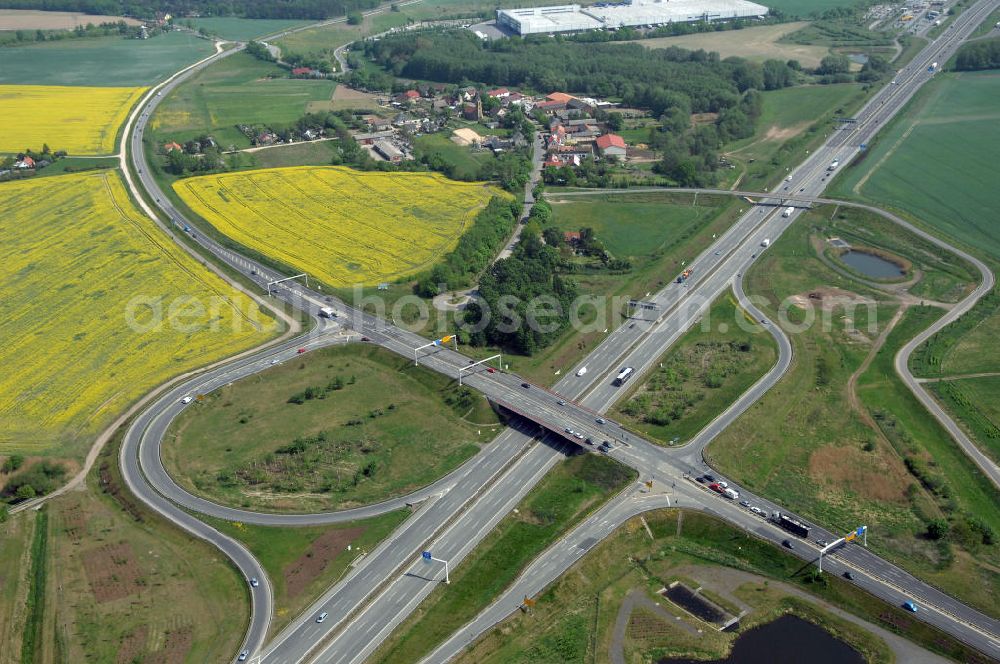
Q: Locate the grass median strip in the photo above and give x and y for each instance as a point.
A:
(562, 499)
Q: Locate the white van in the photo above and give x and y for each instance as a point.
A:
(582, 371)
(321, 617)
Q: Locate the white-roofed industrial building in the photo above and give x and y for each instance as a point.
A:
(574, 18)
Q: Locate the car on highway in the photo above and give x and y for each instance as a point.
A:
(321, 617)
(822, 542)
(561, 402)
(490, 370)
(525, 385)
(243, 656)
(187, 399)
(710, 477)
(589, 441)
(254, 582)
(578, 435)
(365, 339)
(788, 544)
(274, 361)
(745, 503)
(568, 430)
(300, 351)
(581, 371)
(757, 510)
(848, 575)
(910, 606)
(601, 420)
(717, 253)
(724, 484)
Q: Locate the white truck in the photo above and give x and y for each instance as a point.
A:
(836, 162)
(788, 212)
(730, 493)
(766, 242)
(327, 312)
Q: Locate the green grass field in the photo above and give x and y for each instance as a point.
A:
(466, 163)
(108, 61)
(242, 29)
(976, 401)
(569, 492)
(389, 429)
(808, 7)
(952, 124)
(316, 153)
(836, 455)
(704, 372)
(238, 89)
(116, 582)
(302, 563)
(573, 620)
(656, 232)
(793, 121)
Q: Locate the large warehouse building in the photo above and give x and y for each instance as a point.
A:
(574, 18)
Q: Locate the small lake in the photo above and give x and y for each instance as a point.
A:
(788, 640)
(871, 265)
(857, 58)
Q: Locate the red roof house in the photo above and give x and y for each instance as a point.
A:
(301, 71)
(171, 146)
(611, 145)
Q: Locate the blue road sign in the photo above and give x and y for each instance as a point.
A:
(426, 555)
(861, 530)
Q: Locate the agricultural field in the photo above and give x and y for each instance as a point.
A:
(238, 89)
(336, 428)
(607, 606)
(30, 19)
(106, 61)
(704, 372)
(114, 583)
(342, 226)
(951, 123)
(79, 120)
(757, 44)
(839, 439)
(89, 280)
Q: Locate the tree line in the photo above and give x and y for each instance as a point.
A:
(280, 9)
(979, 55)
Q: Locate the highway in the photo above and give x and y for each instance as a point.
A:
(456, 509)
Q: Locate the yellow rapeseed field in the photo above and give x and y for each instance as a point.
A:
(79, 120)
(343, 226)
(98, 308)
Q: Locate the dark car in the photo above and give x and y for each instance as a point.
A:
(525, 385)
(710, 477)
(702, 479)
(365, 339)
(788, 544)
(848, 575)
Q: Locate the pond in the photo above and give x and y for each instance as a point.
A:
(857, 58)
(789, 640)
(871, 265)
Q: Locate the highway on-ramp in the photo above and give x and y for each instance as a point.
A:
(646, 340)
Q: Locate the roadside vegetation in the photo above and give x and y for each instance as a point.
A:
(840, 439)
(94, 576)
(575, 618)
(576, 487)
(951, 122)
(303, 563)
(637, 243)
(334, 428)
(705, 371)
(134, 325)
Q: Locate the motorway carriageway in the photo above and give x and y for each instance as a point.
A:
(373, 324)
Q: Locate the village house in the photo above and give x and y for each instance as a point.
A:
(611, 145)
(171, 146)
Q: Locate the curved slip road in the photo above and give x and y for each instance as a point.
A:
(302, 298)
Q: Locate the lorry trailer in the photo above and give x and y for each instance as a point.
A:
(327, 312)
(788, 211)
(791, 525)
